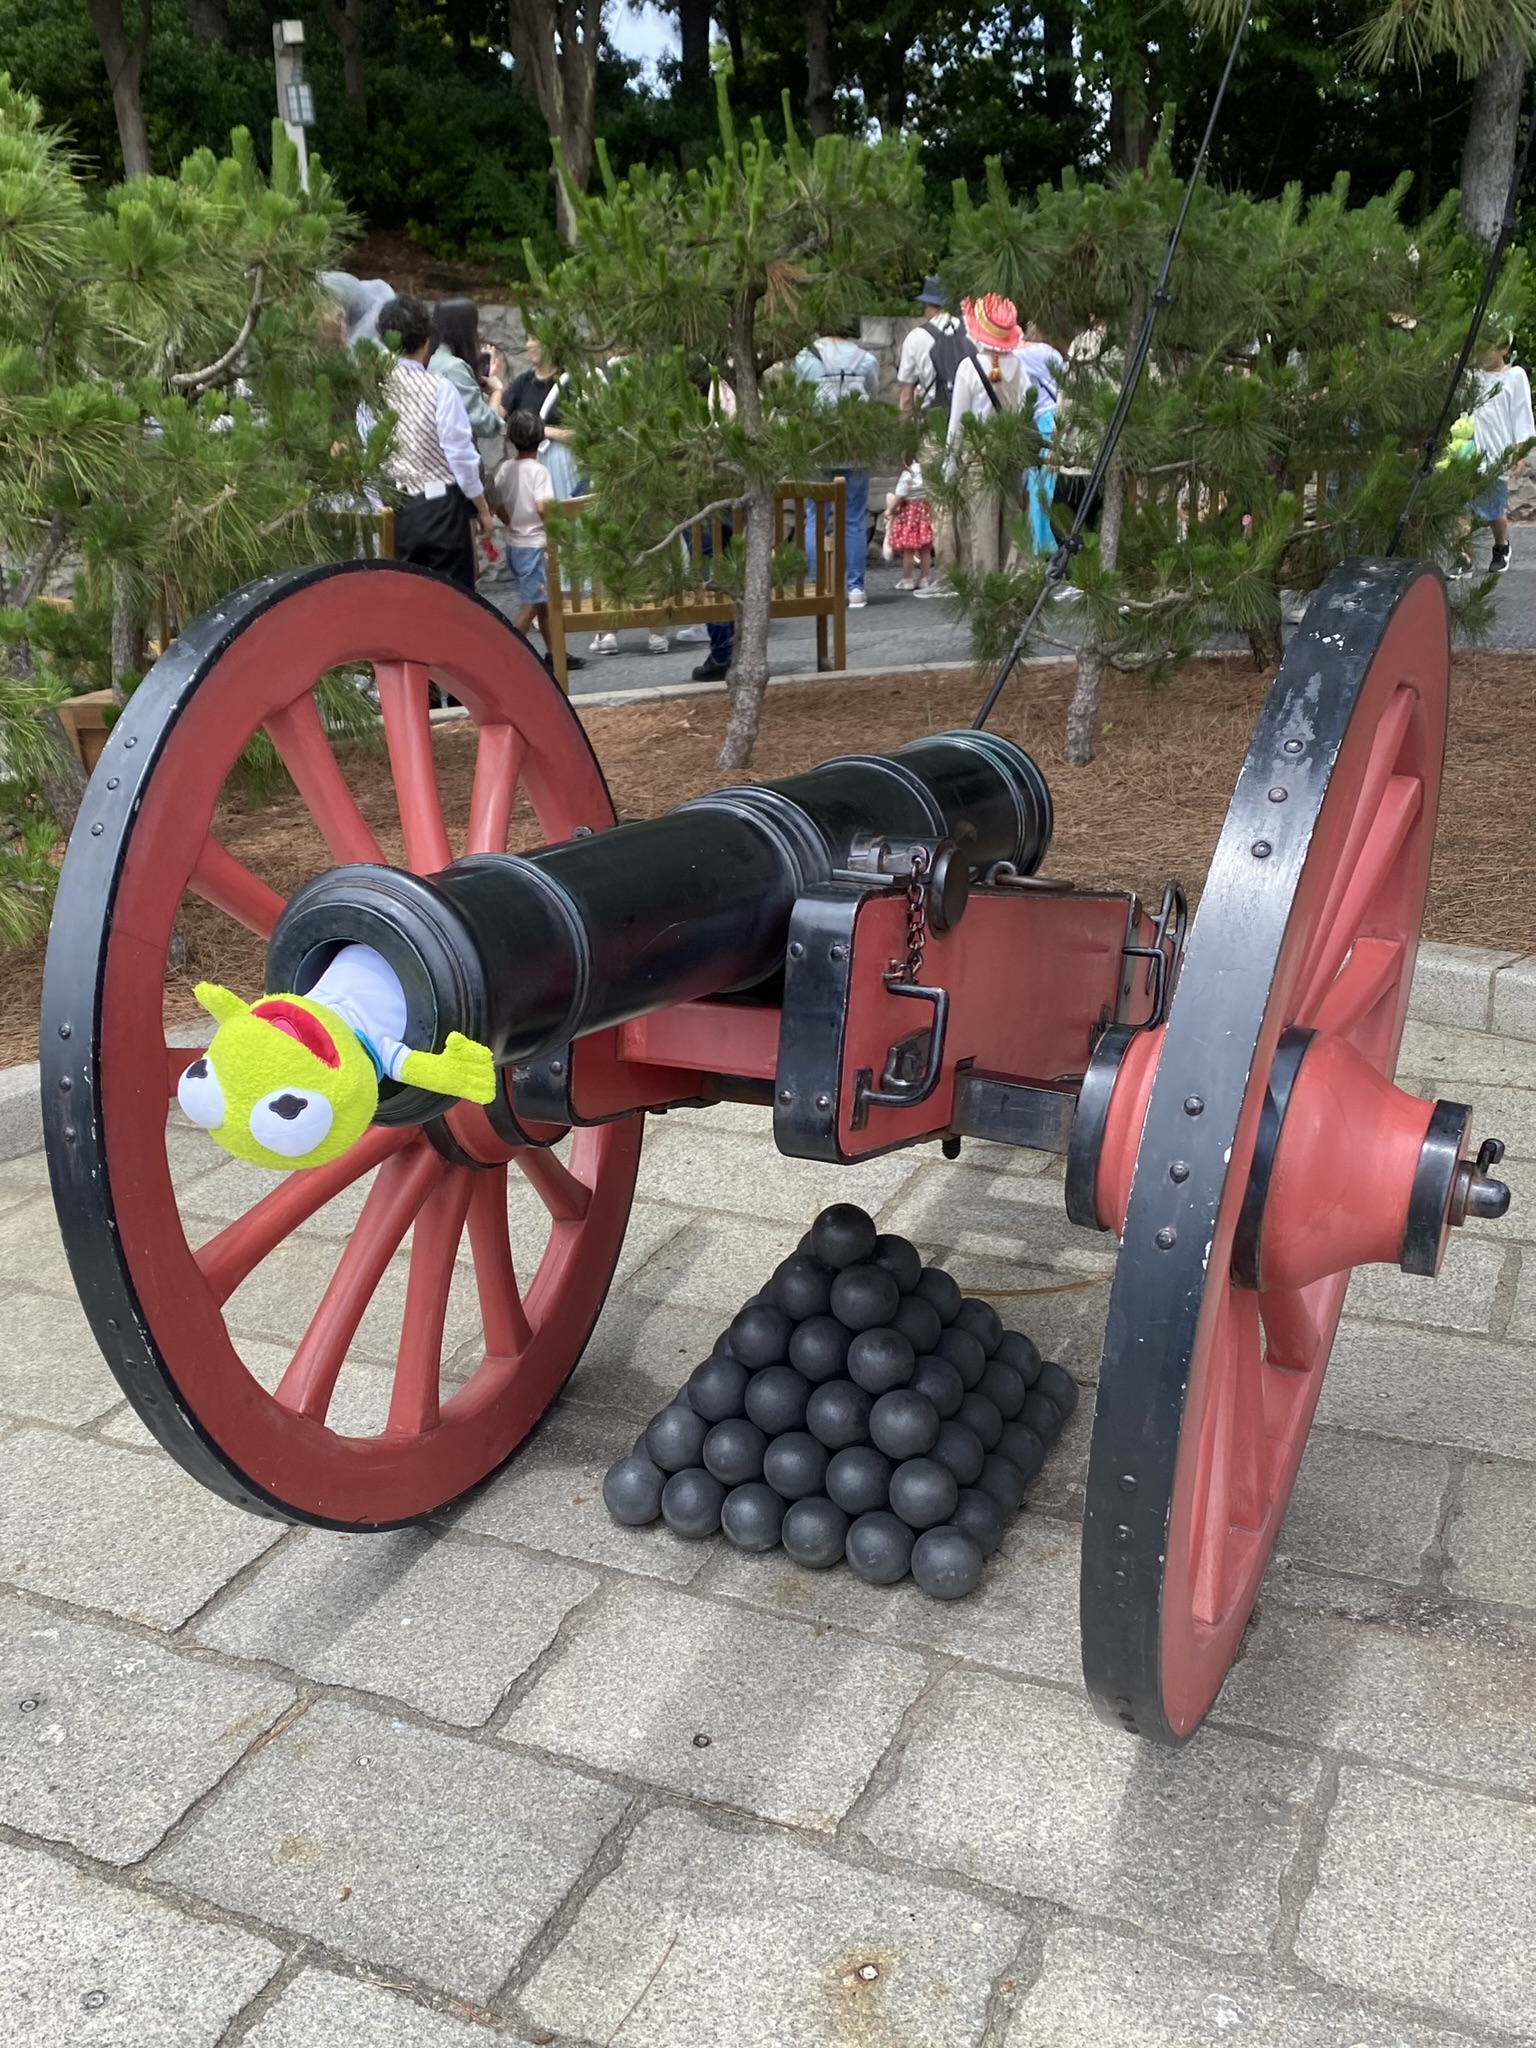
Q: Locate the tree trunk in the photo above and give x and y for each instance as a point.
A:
(123, 56)
(210, 23)
(1128, 135)
(345, 21)
(747, 681)
(1093, 656)
(1488, 157)
(818, 67)
(731, 16)
(693, 19)
(897, 47)
(62, 785)
(1265, 644)
(1056, 47)
(127, 637)
(554, 47)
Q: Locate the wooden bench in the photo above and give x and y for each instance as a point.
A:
(822, 597)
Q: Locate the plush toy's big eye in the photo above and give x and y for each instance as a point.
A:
(291, 1121)
(200, 1096)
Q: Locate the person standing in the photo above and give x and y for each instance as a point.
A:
(457, 355)
(917, 378)
(1503, 429)
(525, 492)
(433, 459)
(986, 384)
(840, 368)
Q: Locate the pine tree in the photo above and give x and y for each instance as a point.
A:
(1293, 379)
(173, 415)
(721, 275)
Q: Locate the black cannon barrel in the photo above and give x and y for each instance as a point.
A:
(526, 952)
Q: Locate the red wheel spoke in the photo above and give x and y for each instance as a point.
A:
(1238, 1499)
(1372, 970)
(1386, 745)
(403, 1185)
(241, 1246)
(300, 738)
(1294, 1341)
(408, 735)
(229, 885)
(563, 1195)
(418, 1370)
(502, 1317)
(1400, 805)
(498, 757)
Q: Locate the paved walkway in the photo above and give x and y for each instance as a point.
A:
(527, 1776)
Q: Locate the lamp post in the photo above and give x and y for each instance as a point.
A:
(295, 97)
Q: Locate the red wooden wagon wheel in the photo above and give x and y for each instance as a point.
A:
(146, 835)
(1254, 1151)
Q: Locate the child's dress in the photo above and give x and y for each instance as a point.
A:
(911, 526)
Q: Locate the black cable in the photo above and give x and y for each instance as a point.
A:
(1490, 279)
(1061, 561)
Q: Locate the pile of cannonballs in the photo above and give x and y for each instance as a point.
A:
(860, 1407)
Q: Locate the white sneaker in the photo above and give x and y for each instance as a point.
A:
(856, 600)
(604, 643)
(906, 583)
(691, 634)
(658, 643)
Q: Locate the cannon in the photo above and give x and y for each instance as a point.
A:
(869, 949)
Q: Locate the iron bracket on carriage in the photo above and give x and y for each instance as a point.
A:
(869, 949)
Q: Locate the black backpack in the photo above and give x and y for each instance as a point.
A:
(949, 351)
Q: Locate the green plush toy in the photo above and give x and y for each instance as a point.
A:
(293, 1080)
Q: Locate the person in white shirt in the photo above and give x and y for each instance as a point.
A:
(990, 382)
(1503, 429)
(526, 491)
(916, 378)
(434, 459)
(840, 368)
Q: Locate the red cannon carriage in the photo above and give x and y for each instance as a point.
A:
(869, 949)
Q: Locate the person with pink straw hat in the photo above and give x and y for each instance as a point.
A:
(990, 381)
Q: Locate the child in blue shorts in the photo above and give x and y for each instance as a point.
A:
(525, 489)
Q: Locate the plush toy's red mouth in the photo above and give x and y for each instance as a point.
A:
(300, 1024)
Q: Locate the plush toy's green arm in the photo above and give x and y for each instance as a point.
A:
(462, 1068)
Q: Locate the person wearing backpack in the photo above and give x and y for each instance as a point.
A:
(990, 380)
(840, 368)
(920, 381)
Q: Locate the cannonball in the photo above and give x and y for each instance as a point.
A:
(923, 1493)
(864, 1297)
(879, 1548)
(843, 1236)
(632, 1490)
(980, 1415)
(819, 1349)
(859, 1479)
(903, 1261)
(939, 1380)
(947, 1563)
(879, 1360)
(979, 1515)
(776, 1399)
(904, 1424)
(716, 1389)
(1041, 1414)
(959, 1450)
(1058, 1387)
(691, 1502)
(674, 1439)
(683, 1399)
(964, 1353)
(760, 1335)
(979, 1319)
(802, 1287)
(752, 1516)
(941, 1291)
(1004, 1387)
(1022, 1353)
(733, 1451)
(815, 1532)
(1021, 1447)
(795, 1464)
(918, 1322)
(1004, 1481)
(837, 1414)
(807, 1244)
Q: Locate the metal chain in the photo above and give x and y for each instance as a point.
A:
(917, 919)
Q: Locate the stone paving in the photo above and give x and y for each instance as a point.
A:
(526, 1776)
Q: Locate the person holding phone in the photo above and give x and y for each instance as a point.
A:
(458, 358)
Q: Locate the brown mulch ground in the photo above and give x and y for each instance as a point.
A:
(386, 253)
(1150, 806)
